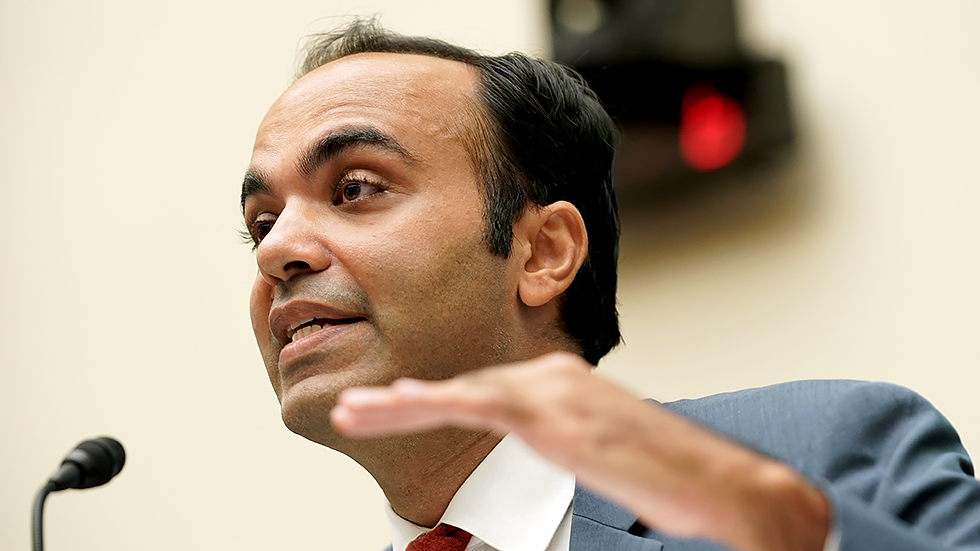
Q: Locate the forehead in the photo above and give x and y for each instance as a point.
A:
(418, 98)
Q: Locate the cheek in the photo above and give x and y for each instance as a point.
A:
(402, 264)
(260, 303)
(419, 268)
(420, 281)
(382, 258)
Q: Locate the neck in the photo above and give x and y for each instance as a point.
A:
(419, 474)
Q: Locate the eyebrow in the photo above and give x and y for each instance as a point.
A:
(254, 184)
(335, 143)
(328, 148)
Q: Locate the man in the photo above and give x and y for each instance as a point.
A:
(421, 212)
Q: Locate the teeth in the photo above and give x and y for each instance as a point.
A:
(298, 323)
(306, 331)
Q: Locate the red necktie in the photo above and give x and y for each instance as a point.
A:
(441, 538)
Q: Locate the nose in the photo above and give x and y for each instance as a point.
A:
(293, 246)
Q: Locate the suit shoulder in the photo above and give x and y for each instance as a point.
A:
(807, 398)
(889, 458)
(795, 420)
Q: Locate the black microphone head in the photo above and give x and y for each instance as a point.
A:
(92, 463)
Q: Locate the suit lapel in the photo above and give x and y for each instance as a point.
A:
(600, 525)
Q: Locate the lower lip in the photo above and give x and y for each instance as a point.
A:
(316, 341)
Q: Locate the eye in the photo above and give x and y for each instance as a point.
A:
(352, 191)
(256, 230)
(356, 188)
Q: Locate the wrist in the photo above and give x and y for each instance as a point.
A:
(790, 512)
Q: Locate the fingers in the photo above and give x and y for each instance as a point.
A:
(503, 398)
(411, 405)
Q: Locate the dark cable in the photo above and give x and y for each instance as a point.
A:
(38, 523)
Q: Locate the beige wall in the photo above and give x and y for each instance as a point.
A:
(126, 127)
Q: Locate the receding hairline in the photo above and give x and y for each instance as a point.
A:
(470, 67)
(471, 128)
(475, 131)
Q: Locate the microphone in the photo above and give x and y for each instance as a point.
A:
(92, 463)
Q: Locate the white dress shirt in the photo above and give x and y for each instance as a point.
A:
(515, 500)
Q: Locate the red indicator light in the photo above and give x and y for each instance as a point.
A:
(712, 132)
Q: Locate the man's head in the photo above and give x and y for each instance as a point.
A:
(546, 138)
(399, 212)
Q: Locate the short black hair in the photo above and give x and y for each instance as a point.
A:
(547, 139)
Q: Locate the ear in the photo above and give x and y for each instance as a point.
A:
(553, 244)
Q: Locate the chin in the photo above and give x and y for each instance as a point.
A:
(306, 401)
(321, 434)
(305, 407)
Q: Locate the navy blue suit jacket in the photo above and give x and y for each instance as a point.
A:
(893, 468)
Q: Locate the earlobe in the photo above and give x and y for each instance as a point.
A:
(556, 245)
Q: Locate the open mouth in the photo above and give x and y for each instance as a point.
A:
(301, 329)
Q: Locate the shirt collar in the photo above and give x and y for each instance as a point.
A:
(514, 501)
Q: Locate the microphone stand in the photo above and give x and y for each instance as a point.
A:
(38, 521)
